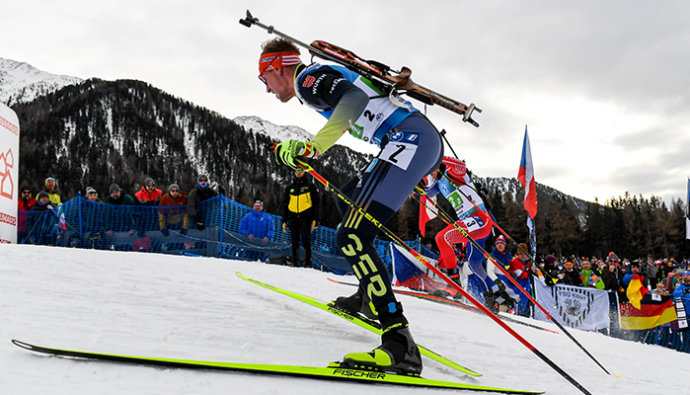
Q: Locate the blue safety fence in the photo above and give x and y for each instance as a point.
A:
(667, 335)
(82, 223)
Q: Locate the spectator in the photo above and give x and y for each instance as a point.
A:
(300, 213)
(550, 270)
(634, 270)
(257, 225)
(591, 277)
(120, 218)
(570, 275)
(41, 223)
(519, 270)
(91, 194)
(609, 275)
(502, 292)
(173, 212)
(149, 195)
(682, 291)
(650, 271)
(663, 270)
(116, 196)
(202, 191)
(26, 201)
(430, 243)
(92, 224)
(660, 290)
(674, 278)
(51, 189)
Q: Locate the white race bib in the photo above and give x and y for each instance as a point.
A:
(400, 149)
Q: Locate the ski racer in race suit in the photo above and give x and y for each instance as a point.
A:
(457, 187)
(410, 146)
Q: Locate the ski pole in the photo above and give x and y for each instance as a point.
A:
(306, 167)
(505, 272)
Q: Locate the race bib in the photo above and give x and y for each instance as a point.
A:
(400, 149)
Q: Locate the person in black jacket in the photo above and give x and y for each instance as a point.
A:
(201, 192)
(300, 213)
(571, 275)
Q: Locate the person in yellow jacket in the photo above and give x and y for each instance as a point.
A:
(51, 189)
(300, 213)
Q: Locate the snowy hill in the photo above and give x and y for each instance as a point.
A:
(21, 82)
(197, 308)
(276, 132)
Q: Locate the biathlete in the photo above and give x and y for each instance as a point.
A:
(410, 146)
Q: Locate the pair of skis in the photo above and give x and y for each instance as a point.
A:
(451, 302)
(332, 372)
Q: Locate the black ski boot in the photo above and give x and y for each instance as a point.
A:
(357, 303)
(490, 301)
(398, 353)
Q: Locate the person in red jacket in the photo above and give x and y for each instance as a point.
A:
(26, 201)
(149, 195)
(520, 270)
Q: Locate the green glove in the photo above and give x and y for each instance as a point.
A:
(288, 150)
(283, 153)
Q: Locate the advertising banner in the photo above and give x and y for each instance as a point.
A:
(9, 174)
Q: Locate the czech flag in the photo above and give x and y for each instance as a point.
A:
(409, 272)
(526, 177)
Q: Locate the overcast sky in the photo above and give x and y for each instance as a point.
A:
(603, 86)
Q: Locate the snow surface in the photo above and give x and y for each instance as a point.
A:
(197, 308)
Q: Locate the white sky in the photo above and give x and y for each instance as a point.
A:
(602, 86)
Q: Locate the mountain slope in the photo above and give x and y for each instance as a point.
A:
(21, 82)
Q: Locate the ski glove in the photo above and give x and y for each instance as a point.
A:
(288, 150)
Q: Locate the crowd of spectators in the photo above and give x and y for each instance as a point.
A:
(177, 211)
(131, 217)
(659, 275)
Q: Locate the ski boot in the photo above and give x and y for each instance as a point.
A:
(357, 303)
(398, 353)
(490, 301)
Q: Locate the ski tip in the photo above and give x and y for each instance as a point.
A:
(22, 344)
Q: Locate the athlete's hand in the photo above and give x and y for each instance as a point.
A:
(288, 150)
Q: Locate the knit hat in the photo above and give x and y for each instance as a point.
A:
(522, 247)
(173, 186)
(43, 194)
(501, 239)
(612, 255)
(90, 190)
(550, 259)
(113, 188)
(50, 179)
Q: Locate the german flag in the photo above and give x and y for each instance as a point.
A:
(636, 291)
(654, 310)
